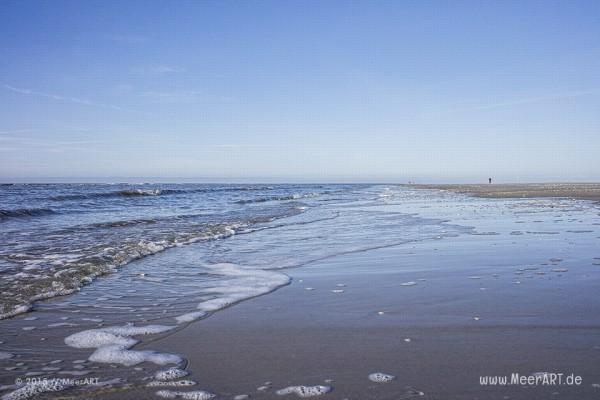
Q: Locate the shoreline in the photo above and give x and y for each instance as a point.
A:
(581, 191)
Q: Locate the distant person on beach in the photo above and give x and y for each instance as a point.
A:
(490, 180)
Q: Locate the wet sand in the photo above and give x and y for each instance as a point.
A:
(585, 191)
(468, 315)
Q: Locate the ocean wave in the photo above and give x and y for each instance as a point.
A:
(117, 193)
(66, 274)
(39, 273)
(263, 199)
(122, 223)
(191, 218)
(138, 192)
(25, 212)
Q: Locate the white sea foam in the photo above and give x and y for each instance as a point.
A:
(36, 388)
(194, 395)
(60, 324)
(92, 319)
(113, 345)
(170, 374)
(243, 283)
(171, 383)
(120, 355)
(23, 308)
(190, 317)
(380, 377)
(304, 391)
(95, 338)
(131, 330)
(5, 355)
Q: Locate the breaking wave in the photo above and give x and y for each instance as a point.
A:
(25, 212)
(152, 192)
(64, 274)
(264, 199)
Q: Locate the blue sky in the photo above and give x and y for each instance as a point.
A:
(300, 90)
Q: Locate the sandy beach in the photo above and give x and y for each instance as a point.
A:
(588, 191)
